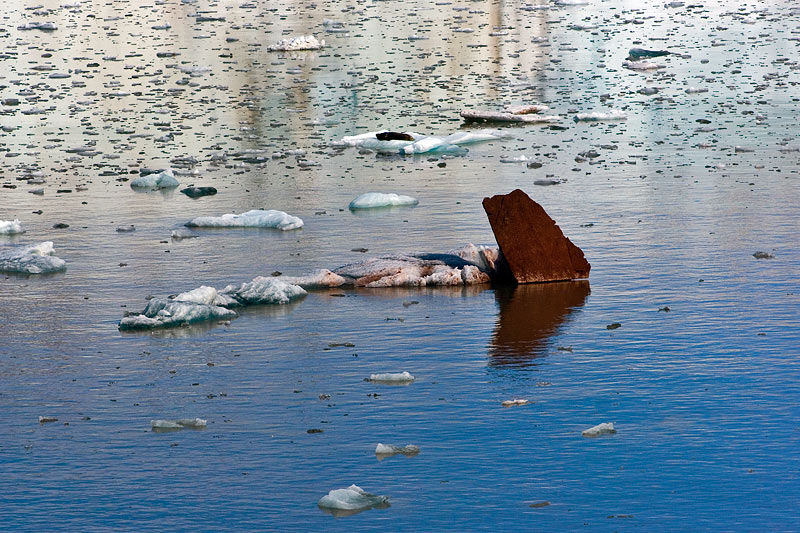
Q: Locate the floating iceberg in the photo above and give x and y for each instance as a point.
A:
(401, 377)
(371, 200)
(160, 180)
(599, 429)
(614, 114)
(351, 498)
(263, 291)
(194, 423)
(255, 218)
(642, 65)
(42, 26)
(11, 227)
(421, 144)
(292, 44)
(386, 450)
(35, 259)
(319, 279)
(496, 116)
(515, 401)
(161, 313)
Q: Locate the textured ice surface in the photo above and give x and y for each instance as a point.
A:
(35, 259)
(515, 401)
(614, 114)
(194, 423)
(161, 180)
(251, 219)
(423, 143)
(11, 227)
(400, 377)
(351, 498)
(263, 290)
(498, 116)
(526, 109)
(161, 313)
(319, 279)
(291, 44)
(388, 449)
(599, 429)
(642, 65)
(369, 200)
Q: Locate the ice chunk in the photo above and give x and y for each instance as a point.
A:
(515, 401)
(422, 143)
(385, 450)
(180, 234)
(206, 296)
(11, 227)
(642, 65)
(599, 429)
(526, 109)
(160, 180)
(484, 257)
(161, 313)
(255, 218)
(351, 498)
(370, 200)
(264, 291)
(291, 44)
(319, 279)
(614, 114)
(45, 419)
(194, 423)
(401, 377)
(42, 26)
(35, 259)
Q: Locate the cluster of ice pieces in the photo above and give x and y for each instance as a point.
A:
(255, 218)
(162, 180)
(292, 44)
(371, 200)
(11, 227)
(35, 259)
(421, 144)
(206, 303)
(351, 498)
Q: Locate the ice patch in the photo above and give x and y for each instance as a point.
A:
(36, 259)
(422, 143)
(11, 227)
(351, 498)
(319, 279)
(614, 114)
(194, 423)
(371, 200)
(599, 429)
(255, 218)
(401, 377)
(642, 65)
(263, 291)
(385, 450)
(292, 44)
(161, 313)
(515, 401)
(161, 180)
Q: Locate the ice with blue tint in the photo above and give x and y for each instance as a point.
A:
(161, 313)
(255, 218)
(35, 259)
(371, 200)
(351, 498)
(162, 180)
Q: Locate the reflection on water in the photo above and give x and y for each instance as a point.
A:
(529, 315)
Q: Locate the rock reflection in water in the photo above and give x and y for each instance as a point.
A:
(529, 315)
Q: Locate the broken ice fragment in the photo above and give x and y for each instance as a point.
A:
(496, 116)
(614, 114)
(11, 227)
(516, 401)
(387, 450)
(600, 429)
(35, 259)
(371, 200)
(193, 423)
(161, 180)
(255, 218)
(351, 498)
(401, 377)
(303, 42)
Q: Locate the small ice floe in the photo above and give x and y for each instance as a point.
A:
(126, 229)
(161, 180)
(372, 200)
(410, 143)
(11, 227)
(42, 26)
(262, 290)
(46, 419)
(642, 65)
(292, 44)
(255, 218)
(36, 259)
(398, 378)
(571, 2)
(180, 234)
(520, 114)
(161, 313)
(614, 114)
(353, 498)
(600, 429)
(696, 90)
(387, 450)
(319, 279)
(515, 401)
(167, 425)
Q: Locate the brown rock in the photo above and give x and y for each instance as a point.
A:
(534, 247)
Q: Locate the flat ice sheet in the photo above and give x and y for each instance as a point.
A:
(255, 218)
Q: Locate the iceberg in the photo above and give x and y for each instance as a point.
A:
(263, 291)
(36, 259)
(162, 425)
(371, 200)
(255, 218)
(11, 227)
(401, 377)
(160, 180)
(614, 114)
(161, 313)
(351, 498)
(318, 279)
(421, 143)
(600, 429)
(642, 65)
(386, 450)
(292, 44)
(515, 401)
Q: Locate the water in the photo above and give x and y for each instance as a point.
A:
(704, 396)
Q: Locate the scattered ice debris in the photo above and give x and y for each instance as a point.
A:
(11, 227)
(197, 192)
(401, 377)
(206, 303)
(639, 53)
(371, 200)
(515, 401)
(193, 423)
(255, 218)
(614, 114)
(35, 259)
(571, 2)
(763, 255)
(527, 114)
(387, 450)
(292, 44)
(600, 429)
(642, 65)
(161, 180)
(45, 419)
(419, 143)
(351, 498)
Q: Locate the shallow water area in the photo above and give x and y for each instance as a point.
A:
(700, 379)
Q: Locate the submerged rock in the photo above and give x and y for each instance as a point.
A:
(197, 192)
(533, 246)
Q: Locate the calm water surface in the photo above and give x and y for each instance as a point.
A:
(705, 397)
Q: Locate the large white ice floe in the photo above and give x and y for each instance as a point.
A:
(11, 227)
(35, 259)
(600, 429)
(292, 44)
(161, 180)
(351, 498)
(416, 143)
(255, 218)
(371, 200)
(614, 114)
(206, 303)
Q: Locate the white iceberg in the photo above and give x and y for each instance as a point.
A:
(162, 180)
(161, 313)
(388, 449)
(599, 429)
(292, 44)
(400, 377)
(422, 143)
(371, 200)
(255, 218)
(318, 279)
(11, 227)
(36, 259)
(194, 423)
(515, 401)
(351, 498)
(263, 290)
(614, 114)
(642, 65)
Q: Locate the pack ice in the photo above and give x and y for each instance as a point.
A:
(371, 200)
(255, 218)
(36, 259)
(161, 180)
(351, 498)
(422, 144)
(11, 227)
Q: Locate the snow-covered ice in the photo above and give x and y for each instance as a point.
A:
(263, 290)
(161, 313)
(194, 423)
(162, 180)
(351, 498)
(11, 227)
(371, 200)
(255, 218)
(515, 401)
(614, 114)
(400, 377)
(35, 259)
(599, 429)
